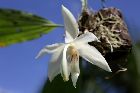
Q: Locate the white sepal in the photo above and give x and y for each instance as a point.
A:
(50, 49)
(71, 26)
(92, 55)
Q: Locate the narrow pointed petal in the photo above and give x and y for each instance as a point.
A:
(75, 72)
(71, 26)
(86, 37)
(54, 64)
(50, 49)
(64, 65)
(92, 55)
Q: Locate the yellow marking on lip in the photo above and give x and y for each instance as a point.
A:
(74, 54)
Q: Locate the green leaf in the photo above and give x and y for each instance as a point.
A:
(17, 26)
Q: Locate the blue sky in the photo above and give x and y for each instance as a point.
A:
(19, 71)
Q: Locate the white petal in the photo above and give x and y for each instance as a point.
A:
(53, 70)
(54, 64)
(92, 55)
(86, 37)
(74, 77)
(64, 65)
(71, 25)
(75, 71)
(50, 49)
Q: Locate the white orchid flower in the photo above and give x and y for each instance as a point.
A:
(65, 56)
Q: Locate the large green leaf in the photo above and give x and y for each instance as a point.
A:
(17, 26)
